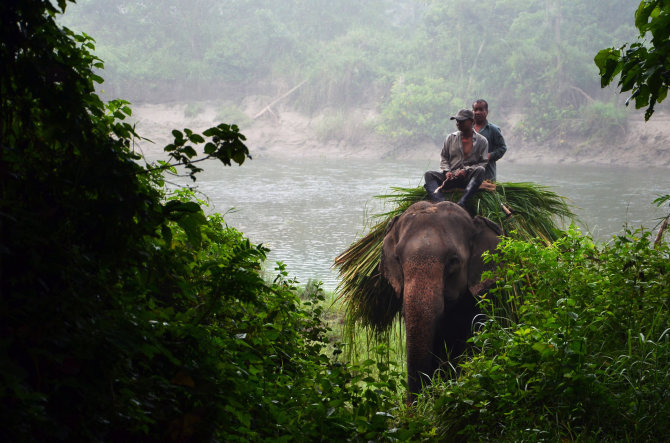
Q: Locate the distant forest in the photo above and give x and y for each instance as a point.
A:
(408, 59)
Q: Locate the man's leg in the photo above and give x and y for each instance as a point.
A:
(475, 178)
(433, 181)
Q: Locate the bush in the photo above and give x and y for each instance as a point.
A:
(418, 109)
(340, 126)
(550, 123)
(127, 314)
(596, 121)
(231, 113)
(344, 72)
(575, 345)
(604, 121)
(193, 110)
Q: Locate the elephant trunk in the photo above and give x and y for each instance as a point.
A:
(423, 305)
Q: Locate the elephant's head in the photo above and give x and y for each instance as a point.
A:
(432, 257)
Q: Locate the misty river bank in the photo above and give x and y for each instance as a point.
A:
(289, 134)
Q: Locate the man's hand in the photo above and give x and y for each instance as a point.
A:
(460, 173)
(448, 176)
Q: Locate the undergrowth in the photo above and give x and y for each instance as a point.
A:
(575, 345)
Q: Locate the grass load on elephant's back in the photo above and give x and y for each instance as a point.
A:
(369, 300)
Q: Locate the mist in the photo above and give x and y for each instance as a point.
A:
(382, 72)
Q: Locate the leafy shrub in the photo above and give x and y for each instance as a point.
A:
(605, 121)
(344, 72)
(127, 314)
(548, 122)
(596, 121)
(231, 113)
(341, 126)
(418, 109)
(575, 345)
(193, 110)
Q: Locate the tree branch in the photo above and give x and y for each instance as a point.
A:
(286, 94)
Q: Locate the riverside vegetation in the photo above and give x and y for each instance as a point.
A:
(413, 62)
(573, 342)
(127, 313)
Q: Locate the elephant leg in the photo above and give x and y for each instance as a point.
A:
(456, 328)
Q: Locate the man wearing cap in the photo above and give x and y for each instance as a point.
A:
(497, 146)
(464, 159)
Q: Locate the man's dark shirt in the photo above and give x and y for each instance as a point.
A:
(497, 148)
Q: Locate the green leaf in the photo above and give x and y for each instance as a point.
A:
(196, 138)
(191, 224)
(239, 157)
(642, 15)
(662, 199)
(607, 62)
(190, 206)
(210, 148)
(166, 233)
(189, 151)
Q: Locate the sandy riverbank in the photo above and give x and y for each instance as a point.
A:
(289, 134)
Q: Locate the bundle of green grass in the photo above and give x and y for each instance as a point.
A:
(523, 210)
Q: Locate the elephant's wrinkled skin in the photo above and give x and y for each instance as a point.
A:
(431, 256)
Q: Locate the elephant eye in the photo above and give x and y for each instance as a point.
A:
(452, 265)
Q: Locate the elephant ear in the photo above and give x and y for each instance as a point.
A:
(485, 238)
(389, 264)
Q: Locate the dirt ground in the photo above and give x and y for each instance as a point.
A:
(288, 134)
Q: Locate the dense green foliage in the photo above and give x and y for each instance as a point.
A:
(416, 62)
(575, 345)
(127, 314)
(643, 67)
(417, 108)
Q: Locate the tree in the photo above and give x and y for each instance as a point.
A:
(101, 305)
(643, 66)
(126, 314)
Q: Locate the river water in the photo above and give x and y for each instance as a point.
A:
(309, 211)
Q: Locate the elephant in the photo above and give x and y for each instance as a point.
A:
(432, 258)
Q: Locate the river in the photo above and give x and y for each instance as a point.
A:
(309, 211)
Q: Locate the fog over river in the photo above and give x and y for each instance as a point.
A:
(308, 211)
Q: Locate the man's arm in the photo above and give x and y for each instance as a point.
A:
(445, 162)
(498, 146)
